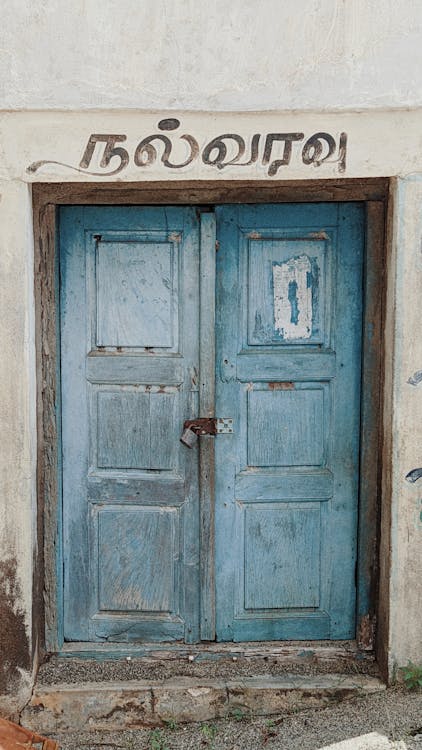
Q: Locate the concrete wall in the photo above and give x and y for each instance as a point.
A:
(188, 56)
(18, 442)
(405, 349)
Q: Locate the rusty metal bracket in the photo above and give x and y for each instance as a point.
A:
(209, 425)
(201, 426)
(205, 426)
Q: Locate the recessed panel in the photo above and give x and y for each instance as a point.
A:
(286, 427)
(282, 557)
(136, 553)
(136, 301)
(136, 429)
(286, 290)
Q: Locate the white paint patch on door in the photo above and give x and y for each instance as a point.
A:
(293, 298)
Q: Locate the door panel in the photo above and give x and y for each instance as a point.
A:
(288, 371)
(130, 358)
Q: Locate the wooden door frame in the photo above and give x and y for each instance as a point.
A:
(372, 594)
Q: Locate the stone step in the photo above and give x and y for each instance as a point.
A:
(121, 663)
(140, 703)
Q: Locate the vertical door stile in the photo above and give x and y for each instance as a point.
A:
(207, 409)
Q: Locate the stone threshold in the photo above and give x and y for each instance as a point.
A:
(212, 650)
(144, 703)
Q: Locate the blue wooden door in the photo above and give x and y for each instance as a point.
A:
(129, 366)
(288, 307)
(288, 365)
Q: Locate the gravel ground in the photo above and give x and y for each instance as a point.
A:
(73, 671)
(395, 713)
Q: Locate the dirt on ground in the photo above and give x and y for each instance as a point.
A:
(395, 713)
(74, 671)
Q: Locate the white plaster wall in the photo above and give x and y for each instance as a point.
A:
(17, 420)
(256, 56)
(193, 54)
(406, 350)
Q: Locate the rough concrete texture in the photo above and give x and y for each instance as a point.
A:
(112, 706)
(129, 705)
(200, 55)
(394, 714)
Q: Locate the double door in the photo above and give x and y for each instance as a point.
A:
(250, 313)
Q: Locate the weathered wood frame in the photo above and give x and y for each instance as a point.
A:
(46, 198)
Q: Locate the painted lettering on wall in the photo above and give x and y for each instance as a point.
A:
(414, 475)
(274, 151)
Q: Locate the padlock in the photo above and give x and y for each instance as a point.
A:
(189, 437)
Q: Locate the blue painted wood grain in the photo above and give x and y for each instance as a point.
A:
(276, 568)
(135, 293)
(287, 480)
(135, 428)
(285, 427)
(137, 546)
(129, 348)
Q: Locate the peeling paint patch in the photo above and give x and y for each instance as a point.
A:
(322, 235)
(284, 386)
(292, 283)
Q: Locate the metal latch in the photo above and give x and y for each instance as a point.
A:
(205, 426)
(224, 425)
